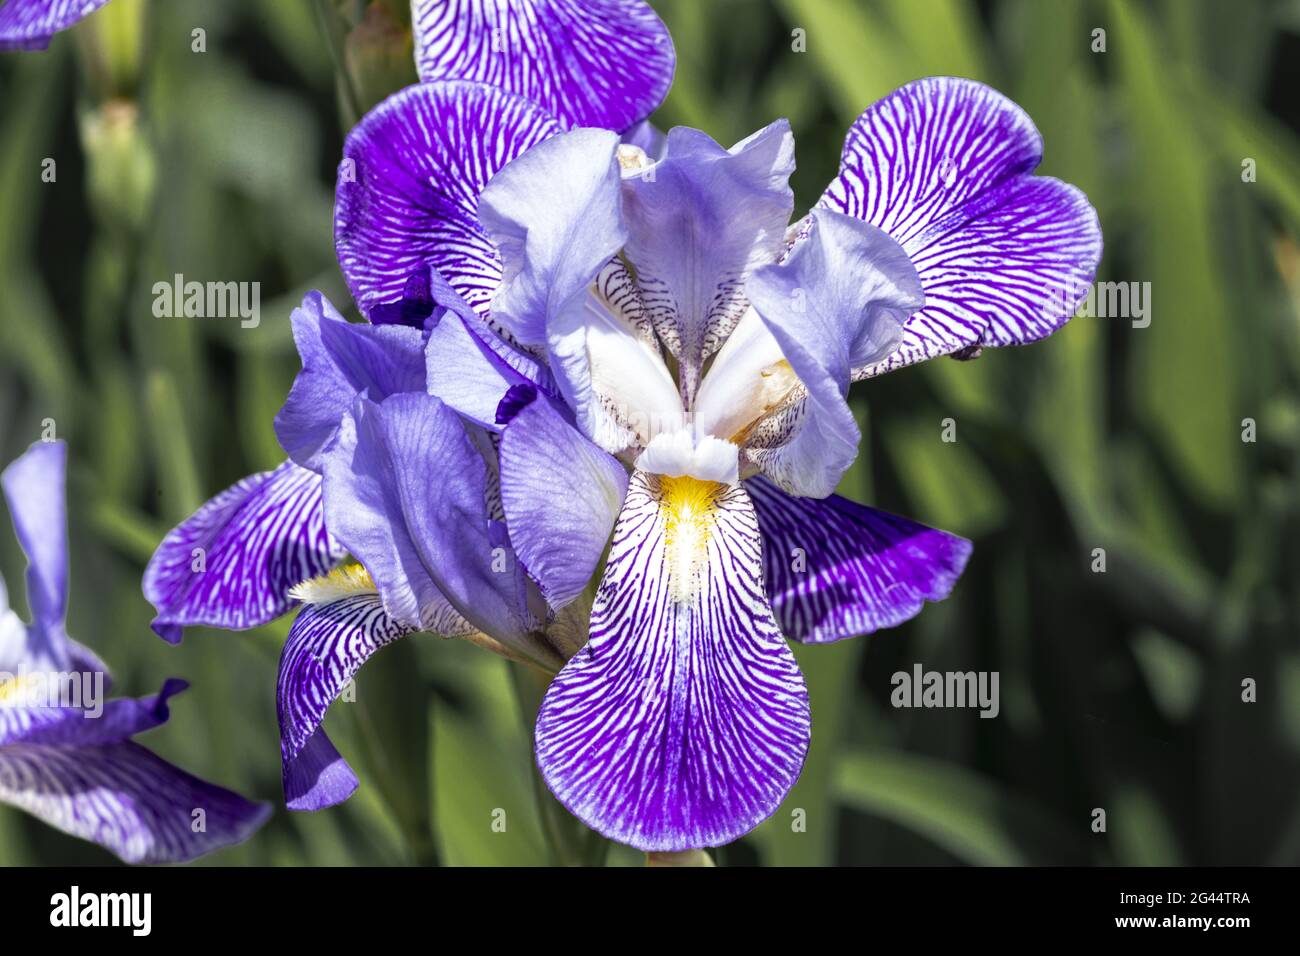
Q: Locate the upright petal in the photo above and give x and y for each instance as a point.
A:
(126, 799)
(834, 568)
(555, 217)
(406, 491)
(327, 645)
(34, 487)
(699, 221)
(561, 495)
(232, 563)
(341, 360)
(589, 62)
(943, 165)
(837, 302)
(29, 24)
(684, 721)
(409, 186)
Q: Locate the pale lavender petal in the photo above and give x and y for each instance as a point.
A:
(232, 563)
(561, 495)
(326, 647)
(126, 799)
(318, 777)
(468, 375)
(684, 721)
(834, 568)
(837, 302)
(554, 215)
(29, 24)
(409, 186)
(944, 165)
(589, 62)
(341, 360)
(700, 221)
(406, 491)
(34, 487)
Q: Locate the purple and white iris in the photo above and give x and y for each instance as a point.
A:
(30, 24)
(581, 328)
(66, 755)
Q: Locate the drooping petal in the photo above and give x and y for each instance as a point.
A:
(835, 303)
(561, 495)
(29, 24)
(406, 491)
(409, 187)
(555, 217)
(589, 62)
(34, 487)
(684, 721)
(65, 711)
(232, 563)
(699, 222)
(126, 799)
(834, 568)
(944, 165)
(341, 360)
(326, 647)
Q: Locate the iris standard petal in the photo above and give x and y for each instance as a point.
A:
(34, 487)
(684, 721)
(341, 360)
(406, 491)
(409, 186)
(326, 647)
(834, 568)
(126, 799)
(589, 62)
(555, 217)
(29, 24)
(469, 375)
(561, 495)
(699, 221)
(232, 563)
(944, 166)
(837, 301)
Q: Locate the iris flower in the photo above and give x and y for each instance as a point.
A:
(30, 24)
(596, 350)
(66, 755)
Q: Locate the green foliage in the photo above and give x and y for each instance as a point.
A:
(1121, 690)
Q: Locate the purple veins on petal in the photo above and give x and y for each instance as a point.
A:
(684, 721)
(605, 63)
(232, 563)
(834, 568)
(29, 24)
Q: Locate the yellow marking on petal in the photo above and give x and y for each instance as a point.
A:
(345, 581)
(15, 689)
(690, 510)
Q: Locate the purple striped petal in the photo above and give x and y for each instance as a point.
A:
(409, 186)
(684, 721)
(126, 799)
(834, 568)
(837, 302)
(341, 360)
(944, 165)
(589, 62)
(561, 495)
(29, 24)
(698, 226)
(34, 487)
(82, 725)
(327, 645)
(232, 563)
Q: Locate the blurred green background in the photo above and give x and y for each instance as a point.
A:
(1120, 690)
